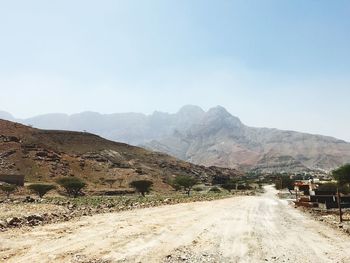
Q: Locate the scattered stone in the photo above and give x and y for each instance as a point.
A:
(35, 217)
(71, 206)
(13, 221)
(29, 199)
(167, 201)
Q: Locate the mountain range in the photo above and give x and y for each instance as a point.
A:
(213, 137)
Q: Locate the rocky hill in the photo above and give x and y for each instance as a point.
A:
(209, 138)
(45, 155)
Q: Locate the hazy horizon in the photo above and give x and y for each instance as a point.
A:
(273, 64)
(149, 114)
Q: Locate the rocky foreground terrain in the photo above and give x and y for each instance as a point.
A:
(259, 228)
(45, 155)
(27, 212)
(208, 138)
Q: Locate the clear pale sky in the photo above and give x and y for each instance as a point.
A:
(272, 63)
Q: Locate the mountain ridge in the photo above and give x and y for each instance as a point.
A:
(213, 137)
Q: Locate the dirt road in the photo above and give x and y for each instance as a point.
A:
(240, 229)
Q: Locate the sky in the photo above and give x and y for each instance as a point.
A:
(282, 64)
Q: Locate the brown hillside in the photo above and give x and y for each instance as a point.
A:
(45, 155)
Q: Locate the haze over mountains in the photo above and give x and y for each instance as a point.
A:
(214, 137)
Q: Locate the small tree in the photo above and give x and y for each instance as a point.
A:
(142, 186)
(284, 181)
(342, 175)
(186, 182)
(230, 185)
(72, 185)
(41, 189)
(8, 189)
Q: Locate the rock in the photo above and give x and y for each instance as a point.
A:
(3, 224)
(35, 217)
(184, 258)
(34, 220)
(167, 201)
(13, 221)
(71, 206)
(29, 199)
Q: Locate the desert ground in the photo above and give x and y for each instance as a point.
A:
(258, 228)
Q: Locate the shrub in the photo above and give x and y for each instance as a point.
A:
(215, 189)
(8, 189)
(72, 185)
(244, 187)
(41, 189)
(176, 186)
(220, 179)
(186, 182)
(230, 185)
(142, 186)
(198, 189)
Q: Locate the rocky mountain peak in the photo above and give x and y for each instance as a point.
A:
(219, 116)
(191, 110)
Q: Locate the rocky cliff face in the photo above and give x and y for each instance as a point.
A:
(223, 140)
(214, 137)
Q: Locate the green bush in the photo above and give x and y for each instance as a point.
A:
(215, 189)
(342, 175)
(41, 189)
(230, 185)
(8, 189)
(244, 187)
(198, 189)
(72, 185)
